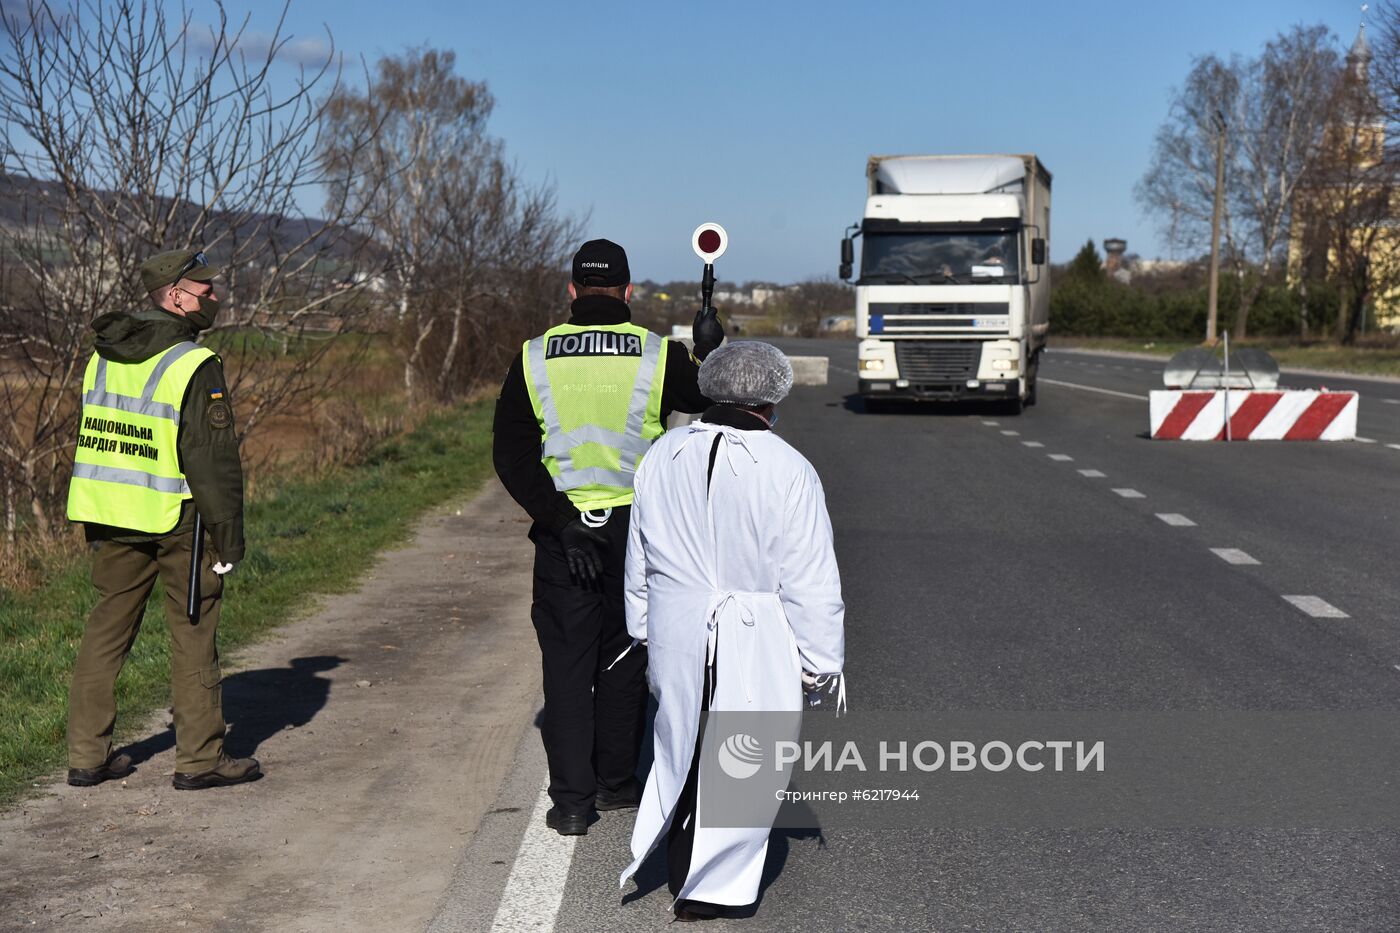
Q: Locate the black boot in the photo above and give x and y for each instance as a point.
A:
(690, 911)
(626, 797)
(566, 824)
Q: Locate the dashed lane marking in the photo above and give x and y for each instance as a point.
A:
(1176, 519)
(1092, 474)
(1062, 458)
(1365, 440)
(1233, 555)
(1391, 401)
(1033, 443)
(535, 888)
(1130, 494)
(1012, 433)
(1075, 385)
(1393, 446)
(1317, 607)
(991, 424)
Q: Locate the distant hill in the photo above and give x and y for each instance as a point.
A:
(23, 200)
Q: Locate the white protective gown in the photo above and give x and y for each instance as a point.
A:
(748, 568)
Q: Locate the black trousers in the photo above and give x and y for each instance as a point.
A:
(680, 838)
(593, 717)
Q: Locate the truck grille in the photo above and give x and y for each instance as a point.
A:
(937, 362)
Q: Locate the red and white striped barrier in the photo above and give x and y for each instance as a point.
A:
(1295, 415)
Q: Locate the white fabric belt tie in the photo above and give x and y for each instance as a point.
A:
(718, 605)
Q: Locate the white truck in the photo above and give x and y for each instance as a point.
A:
(953, 298)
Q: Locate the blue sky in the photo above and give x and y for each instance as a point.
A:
(656, 116)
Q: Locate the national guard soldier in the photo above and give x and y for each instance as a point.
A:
(156, 472)
(579, 407)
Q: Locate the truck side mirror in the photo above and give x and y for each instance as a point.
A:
(1038, 251)
(848, 257)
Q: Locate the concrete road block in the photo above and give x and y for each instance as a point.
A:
(808, 370)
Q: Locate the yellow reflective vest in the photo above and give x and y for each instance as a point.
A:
(126, 471)
(596, 392)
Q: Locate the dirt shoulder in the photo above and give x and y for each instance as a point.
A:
(385, 724)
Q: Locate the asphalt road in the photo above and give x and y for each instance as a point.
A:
(1021, 563)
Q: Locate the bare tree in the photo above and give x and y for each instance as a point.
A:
(128, 132)
(468, 239)
(1179, 184)
(1274, 108)
(803, 307)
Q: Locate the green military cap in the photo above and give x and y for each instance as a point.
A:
(172, 265)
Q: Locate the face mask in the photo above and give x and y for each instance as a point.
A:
(204, 317)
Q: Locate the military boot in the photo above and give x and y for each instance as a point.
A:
(227, 771)
(118, 765)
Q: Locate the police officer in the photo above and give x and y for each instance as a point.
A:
(156, 446)
(579, 407)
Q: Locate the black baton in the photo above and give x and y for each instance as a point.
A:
(196, 558)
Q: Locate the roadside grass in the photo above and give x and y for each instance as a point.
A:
(1379, 359)
(306, 537)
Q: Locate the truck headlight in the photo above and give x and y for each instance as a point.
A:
(1003, 365)
(872, 366)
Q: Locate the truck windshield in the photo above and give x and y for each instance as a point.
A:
(962, 256)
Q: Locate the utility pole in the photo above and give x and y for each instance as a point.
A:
(1212, 310)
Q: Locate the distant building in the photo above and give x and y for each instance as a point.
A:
(1354, 163)
(735, 297)
(1113, 265)
(764, 294)
(1158, 266)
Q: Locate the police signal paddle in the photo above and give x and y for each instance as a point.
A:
(709, 242)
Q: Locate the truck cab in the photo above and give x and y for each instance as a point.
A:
(952, 300)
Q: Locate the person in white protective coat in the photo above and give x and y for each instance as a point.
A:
(731, 581)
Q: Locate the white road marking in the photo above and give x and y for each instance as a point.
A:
(535, 889)
(1317, 607)
(991, 424)
(1012, 433)
(1233, 555)
(1130, 494)
(1075, 385)
(1393, 446)
(1033, 443)
(1365, 440)
(1063, 458)
(1391, 401)
(1092, 474)
(1176, 519)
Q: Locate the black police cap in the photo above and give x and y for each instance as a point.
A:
(601, 263)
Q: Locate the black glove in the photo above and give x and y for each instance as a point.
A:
(583, 549)
(708, 332)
